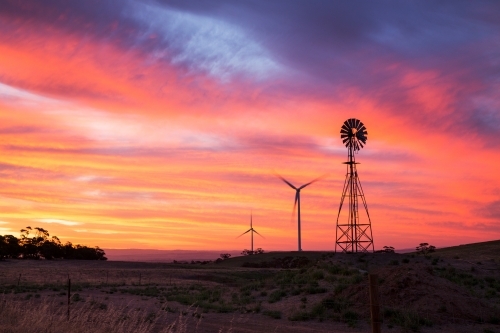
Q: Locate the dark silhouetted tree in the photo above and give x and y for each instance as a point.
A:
(36, 244)
(9, 247)
(425, 248)
(388, 249)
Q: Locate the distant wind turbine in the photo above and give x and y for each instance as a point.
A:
(252, 230)
(297, 200)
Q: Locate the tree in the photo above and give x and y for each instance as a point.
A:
(259, 250)
(425, 248)
(36, 244)
(9, 247)
(29, 245)
(388, 249)
(225, 256)
(246, 252)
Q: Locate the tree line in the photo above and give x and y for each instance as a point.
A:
(35, 243)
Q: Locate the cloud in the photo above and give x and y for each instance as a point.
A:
(490, 210)
(58, 221)
(101, 231)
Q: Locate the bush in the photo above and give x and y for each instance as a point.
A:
(350, 317)
(318, 275)
(276, 296)
(299, 316)
(408, 320)
(336, 304)
(272, 314)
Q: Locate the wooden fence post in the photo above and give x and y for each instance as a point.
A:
(374, 303)
(69, 294)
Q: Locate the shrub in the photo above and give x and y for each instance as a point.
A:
(299, 316)
(272, 314)
(276, 296)
(394, 262)
(336, 304)
(318, 275)
(350, 317)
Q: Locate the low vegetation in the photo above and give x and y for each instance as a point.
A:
(417, 291)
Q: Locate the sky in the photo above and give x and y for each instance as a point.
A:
(161, 124)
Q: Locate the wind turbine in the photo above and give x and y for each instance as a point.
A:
(297, 200)
(252, 230)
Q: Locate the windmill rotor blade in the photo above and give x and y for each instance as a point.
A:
(359, 126)
(346, 139)
(258, 234)
(351, 122)
(362, 128)
(356, 123)
(345, 126)
(244, 233)
(344, 136)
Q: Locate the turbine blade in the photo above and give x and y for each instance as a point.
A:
(286, 181)
(295, 206)
(314, 180)
(244, 233)
(258, 234)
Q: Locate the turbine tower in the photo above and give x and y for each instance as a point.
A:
(252, 230)
(297, 201)
(353, 235)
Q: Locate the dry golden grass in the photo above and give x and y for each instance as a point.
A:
(41, 316)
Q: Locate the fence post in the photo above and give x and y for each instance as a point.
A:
(374, 303)
(69, 294)
(19, 279)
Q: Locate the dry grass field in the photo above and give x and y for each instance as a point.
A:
(451, 290)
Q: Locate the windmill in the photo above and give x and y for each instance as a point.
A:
(252, 230)
(353, 235)
(297, 201)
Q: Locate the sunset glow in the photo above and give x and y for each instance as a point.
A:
(160, 124)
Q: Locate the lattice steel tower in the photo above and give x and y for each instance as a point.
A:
(353, 235)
